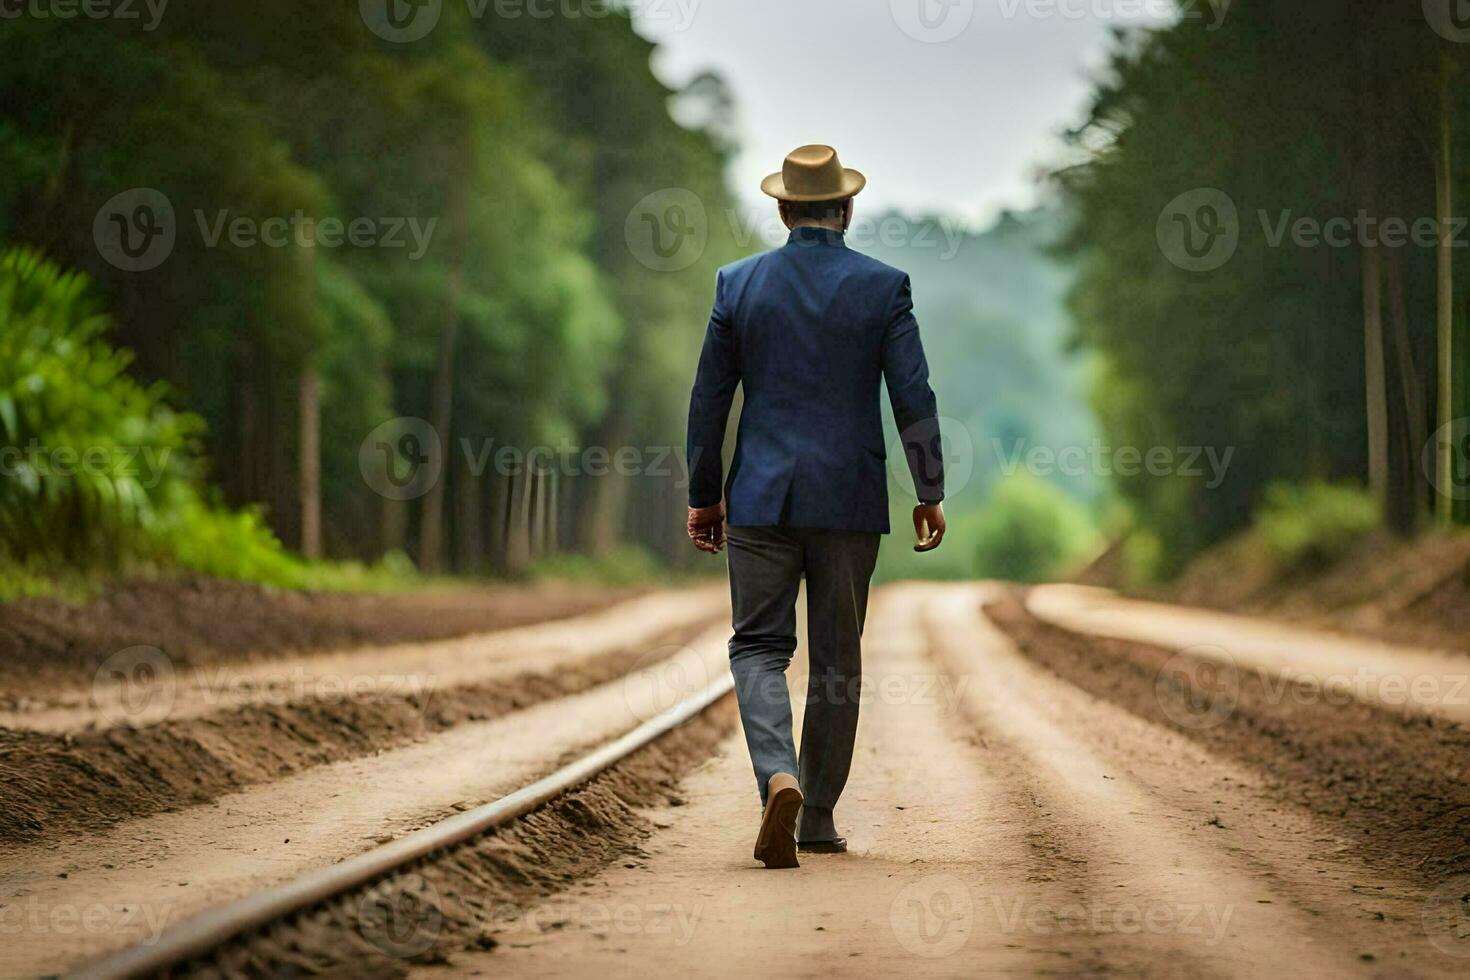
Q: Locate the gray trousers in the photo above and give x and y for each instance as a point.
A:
(766, 567)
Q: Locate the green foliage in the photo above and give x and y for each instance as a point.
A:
(1143, 559)
(523, 142)
(1309, 526)
(1265, 353)
(1029, 531)
(92, 460)
(98, 471)
(628, 565)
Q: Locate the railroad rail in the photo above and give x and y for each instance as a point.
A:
(197, 936)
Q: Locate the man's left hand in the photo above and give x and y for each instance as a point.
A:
(928, 526)
(707, 528)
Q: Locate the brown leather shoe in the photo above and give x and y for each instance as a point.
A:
(775, 845)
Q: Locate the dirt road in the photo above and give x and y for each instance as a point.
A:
(1002, 823)
(1026, 800)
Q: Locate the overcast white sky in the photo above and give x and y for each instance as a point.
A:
(959, 123)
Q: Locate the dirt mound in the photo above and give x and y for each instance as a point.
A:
(201, 620)
(52, 785)
(1404, 590)
(1393, 782)
(464, 898)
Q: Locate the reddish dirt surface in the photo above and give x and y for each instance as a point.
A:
(1395, 783)
(55, 783)
(471, 897)
(1002, 823)
(1413, 591)
(170, 866)
(199, 621)
(1024, 801)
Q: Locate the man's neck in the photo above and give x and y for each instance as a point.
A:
(824, 225)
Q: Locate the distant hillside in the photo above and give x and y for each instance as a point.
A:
(991, 307)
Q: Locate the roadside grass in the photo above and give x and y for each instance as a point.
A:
(394, 573)
(1313, 525)
(628, 565)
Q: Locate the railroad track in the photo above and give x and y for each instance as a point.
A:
(201, 934)
(1027, 793)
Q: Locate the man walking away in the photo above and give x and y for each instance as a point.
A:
(808, 330)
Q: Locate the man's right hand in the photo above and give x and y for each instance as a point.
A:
(707, 528)
(928, 526)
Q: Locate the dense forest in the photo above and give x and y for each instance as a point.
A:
(376, 256)
(1269, 259)
(485, 287)
(284, 291)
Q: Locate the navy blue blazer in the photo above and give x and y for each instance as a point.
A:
(808, 329)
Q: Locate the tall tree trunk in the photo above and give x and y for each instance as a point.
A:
(431, 527)
(1444, 501)
(538, 513)
(309, 417)
(553, 512)
(1459, 408)
(517, 523)
(497, 507)
(600, 524)
(431, 530)
(469, 534)
(1375, 376)
(1412, 385)
(393, 531)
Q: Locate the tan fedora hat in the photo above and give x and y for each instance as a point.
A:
(813, 173)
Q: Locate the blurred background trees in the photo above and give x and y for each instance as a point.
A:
(521, 144)
(1317, 362)
(516, 314)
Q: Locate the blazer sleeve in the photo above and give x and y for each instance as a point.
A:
(906, 373)
(709, 404)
